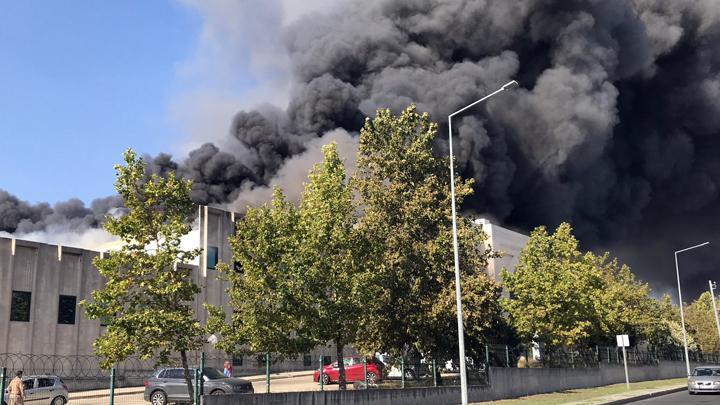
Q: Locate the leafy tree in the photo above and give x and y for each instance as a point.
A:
(305, 279)
(551, 289)
(405, 193)
(148, 292)
(700, 322)
(562, 296)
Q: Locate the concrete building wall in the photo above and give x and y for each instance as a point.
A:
(46, 271)
(505, 241)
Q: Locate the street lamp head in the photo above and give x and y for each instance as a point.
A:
(511, 83)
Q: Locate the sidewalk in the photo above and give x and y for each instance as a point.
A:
(608, 394)
(139, 390)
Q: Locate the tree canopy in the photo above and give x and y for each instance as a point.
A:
(148, 293)
(562, 296)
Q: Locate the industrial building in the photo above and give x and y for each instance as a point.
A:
(42, 284)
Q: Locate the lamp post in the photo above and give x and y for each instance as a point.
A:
(461, 340)
(713, 287)
(682, 313)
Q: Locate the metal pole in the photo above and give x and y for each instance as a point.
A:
(202, 372)
(608, 354)
(627, 380)
(112, 386)
(320, 376)
(713, 287)
(487, 356)
(267, 372)
(402, 372)
(3, 371)
(365, 371)
(507, 357)
(458, 293)
(196, 387)
(680, 302)
(434, 373)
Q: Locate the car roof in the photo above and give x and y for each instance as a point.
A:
(712, 367)
(40, 376)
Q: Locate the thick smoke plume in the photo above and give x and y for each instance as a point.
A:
(616, 126)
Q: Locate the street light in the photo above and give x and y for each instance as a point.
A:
(713, 287)
(682, 313)
(461, 340)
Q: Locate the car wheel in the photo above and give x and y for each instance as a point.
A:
(58, 401)
(326, 379)
(217, 392)
(371, 377)
(158, 398)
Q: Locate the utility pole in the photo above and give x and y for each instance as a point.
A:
(713, 287)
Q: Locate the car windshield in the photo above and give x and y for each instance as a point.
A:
(706, 372)
(213, 373)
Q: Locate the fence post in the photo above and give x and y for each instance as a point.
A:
(320, 376)
(608, 354)
(365, 371)
(434, 373)
(112, 386)
(196, 387)
(402, 372)
(2, 380)
(202, 372)
(487, 355)
(507, 357)
(267, 372)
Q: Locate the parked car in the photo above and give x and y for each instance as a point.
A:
(168, 385)
(43, 390)
(704, 379)
(354, 371)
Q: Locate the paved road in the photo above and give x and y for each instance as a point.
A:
(682, 397)
(298, 383)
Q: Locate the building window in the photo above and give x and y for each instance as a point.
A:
(212, 257)
(237, 360)
(328, 360)
(66, 309)
(307, 360)
(20, 306)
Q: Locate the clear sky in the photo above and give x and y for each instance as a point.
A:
(81, 81)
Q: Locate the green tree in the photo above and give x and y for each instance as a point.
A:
(562, 296)
(305, 279)
(148, 292)
(405, 193)
(552, 290)
(700, 322)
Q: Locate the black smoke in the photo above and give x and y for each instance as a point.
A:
(616, 126)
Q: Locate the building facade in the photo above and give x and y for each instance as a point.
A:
(42, 284)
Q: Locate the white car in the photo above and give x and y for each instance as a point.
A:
(704, 379)
(42, 390)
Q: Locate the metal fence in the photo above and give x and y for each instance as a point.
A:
(90, 384)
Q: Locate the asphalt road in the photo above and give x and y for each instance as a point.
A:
(682, 397)
(298, 383)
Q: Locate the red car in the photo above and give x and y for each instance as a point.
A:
(354, 371)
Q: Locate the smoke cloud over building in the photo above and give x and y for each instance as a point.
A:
(616, 126)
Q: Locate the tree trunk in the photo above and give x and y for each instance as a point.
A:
(341, 365)
(186, 371)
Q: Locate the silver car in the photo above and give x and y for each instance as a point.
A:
(168, 385)
(704, 379)
(43, 390)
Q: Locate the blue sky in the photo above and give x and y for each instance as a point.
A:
(80, 82)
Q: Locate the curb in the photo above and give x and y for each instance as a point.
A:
(645, 396)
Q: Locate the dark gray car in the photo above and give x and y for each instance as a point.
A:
(168, 385)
